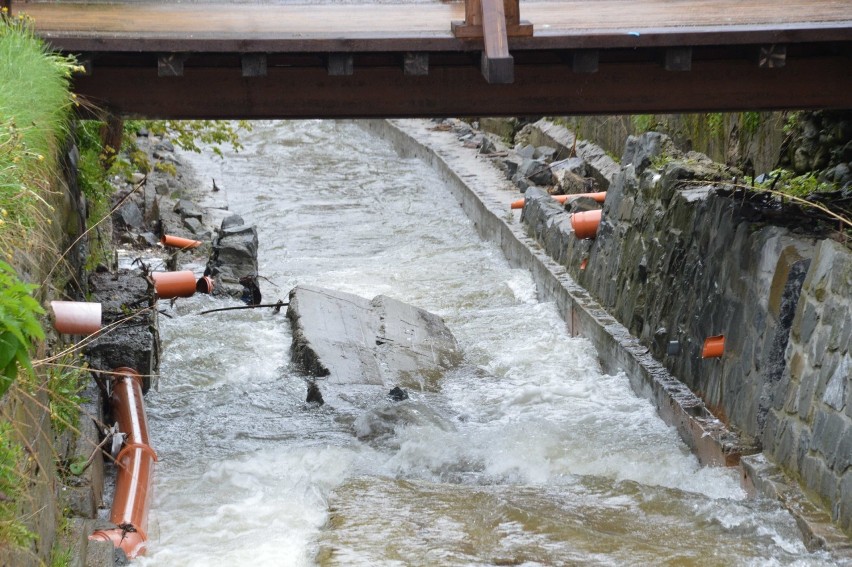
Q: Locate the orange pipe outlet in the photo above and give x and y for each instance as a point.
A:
(562, 199)
(179, 242)
(135, 465)
(76, 317)
(714, 347)
(174, 284)
(586, 223)
(204, 285)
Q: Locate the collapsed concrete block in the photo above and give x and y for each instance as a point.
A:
(349, 339)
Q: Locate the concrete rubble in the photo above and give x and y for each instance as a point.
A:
(345, 339)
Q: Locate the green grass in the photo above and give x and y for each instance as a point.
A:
(34, 117)
(34, 120)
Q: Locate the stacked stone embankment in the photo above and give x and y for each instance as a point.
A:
(680, 257)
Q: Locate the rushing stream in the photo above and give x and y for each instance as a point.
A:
(527, 455)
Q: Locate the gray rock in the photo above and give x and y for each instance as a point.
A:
(232, 221)
(348, 339)
(575, 165)
(509, 165)
(526, 152)
(100, 554)
(164, 146)
(801, 160)
(162, 187)
(641, 151)
(167, 157)
(536, 172)
(234, 256)
(134, 343)
(188, 209)
(835, 390)
(147, 239)
(128, 217)
(545, 153)
(195, 226)
(569, 182)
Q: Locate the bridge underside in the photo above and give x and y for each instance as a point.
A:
(168, 61)
(212, 88)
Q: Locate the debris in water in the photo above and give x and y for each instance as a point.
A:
(314, 394)
(398, 394)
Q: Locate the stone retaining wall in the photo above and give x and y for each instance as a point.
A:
(809, 428)
(676, 261)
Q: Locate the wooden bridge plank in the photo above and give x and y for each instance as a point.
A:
(421, 21)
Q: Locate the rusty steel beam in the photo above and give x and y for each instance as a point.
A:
(730, 84)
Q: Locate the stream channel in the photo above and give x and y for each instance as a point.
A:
(526, 455)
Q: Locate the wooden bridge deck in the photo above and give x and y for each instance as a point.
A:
(585, 56)
(372, 27)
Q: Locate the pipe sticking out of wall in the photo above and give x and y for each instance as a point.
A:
(135, 465)
(562, 199)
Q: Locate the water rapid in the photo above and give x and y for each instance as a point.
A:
(526, 455)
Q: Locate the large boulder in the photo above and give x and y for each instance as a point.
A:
(234, 255)
(351, 340)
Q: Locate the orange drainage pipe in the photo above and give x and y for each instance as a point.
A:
(714, 347)
(562, 199)
(76, 317)
(174, 284)
(179, 242)
(204, 285)
(586, 223)
(135, 468)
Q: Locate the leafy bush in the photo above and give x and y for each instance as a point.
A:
(19, 325)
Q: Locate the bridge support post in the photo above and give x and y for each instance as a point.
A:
(494, 21)
(112, 132)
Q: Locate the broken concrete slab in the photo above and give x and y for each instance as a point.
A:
(383, 342)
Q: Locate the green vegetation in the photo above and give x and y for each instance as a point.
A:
(100, 163)
(34, 115)
(19, 325)
(12, 485)
(65, 380)
(644, 122)
(787, 182)
(34, 118)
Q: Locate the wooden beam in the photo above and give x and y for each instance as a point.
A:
(714, 85)
(171, 65)
(471, 27)
(678, 59)
(497, 64)
(415, 64)
(253, 64)
(341, 64)
(586, 61)
(772, 56)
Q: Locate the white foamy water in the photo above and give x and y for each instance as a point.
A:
(528, 454)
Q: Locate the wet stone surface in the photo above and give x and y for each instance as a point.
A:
(125, 296)
(348, 339)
